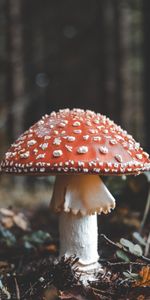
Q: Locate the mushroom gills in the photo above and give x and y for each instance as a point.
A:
(81, 194)
(79, 198)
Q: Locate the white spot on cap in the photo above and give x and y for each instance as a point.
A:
(80, 163)
(113, 142)
(55, 132)
(8, 154)
(76, 123)
(57, 153)
(40, 122)
(53, 114)
(31, 142)
(82, 149)
(88, 123)
(92, 163)
(77, 131)
(44, 146)
(105, 130)
(137, 146)
(86, 137)
(103, 149)
(138, 156)
(25, 154)
(92, 130)
(47, 137)
(42, 155)
(97, 138)
(57, 141)
(62, 124)
(42, 169)
(96, 121)
(35, 150)
(69, 148)
(85, 170)
(146, 154)
(118, 157)
(71, 138)
(118, 137)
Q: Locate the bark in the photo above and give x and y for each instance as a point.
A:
(146, 72)
(16, 66)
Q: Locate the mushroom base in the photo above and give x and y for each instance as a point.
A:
(78, 236)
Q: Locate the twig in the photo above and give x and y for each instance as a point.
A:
(99, 292)
(123, 263)
(33, 286)
(4, 290)
(147, 247)
(123, 248)
(17, 289)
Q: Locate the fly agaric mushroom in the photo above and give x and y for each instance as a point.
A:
(77, 146)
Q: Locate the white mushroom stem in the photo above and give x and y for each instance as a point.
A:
(79, 198)
(78, 235)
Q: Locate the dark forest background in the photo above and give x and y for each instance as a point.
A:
(74, 53)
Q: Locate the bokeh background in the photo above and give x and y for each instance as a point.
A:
(72, 53)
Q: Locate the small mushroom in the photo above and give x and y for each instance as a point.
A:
(77, 146)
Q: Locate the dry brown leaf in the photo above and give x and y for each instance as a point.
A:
(71, 295)
(8, 219)
(144, 280)
(6, 212)
(51, 248)
(7, 222)
(141, 297)
(50, 294)
(20, 221)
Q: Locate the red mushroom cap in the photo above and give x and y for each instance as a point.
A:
(75, 141)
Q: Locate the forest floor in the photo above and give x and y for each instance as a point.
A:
(29, 265)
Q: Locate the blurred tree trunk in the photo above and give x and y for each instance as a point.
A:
(124, 36)
(132, 112)
(146, 75)
(15, 80)
(137, 71)
(110, 60)
(15, 89)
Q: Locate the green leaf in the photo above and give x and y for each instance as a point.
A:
(128, 244)
(28, 245)
(121, 255)
(139, 238)
(36, 238)
(137, 250)
(7, 237)
(134, 249)
(131, 276)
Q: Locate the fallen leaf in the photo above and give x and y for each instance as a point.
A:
(8, 219)
(21, 221)
(144, 280)
(50, 293)
(6, 212)
(51, 248)
(141, 297)
(7, 222)
(71, 295)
